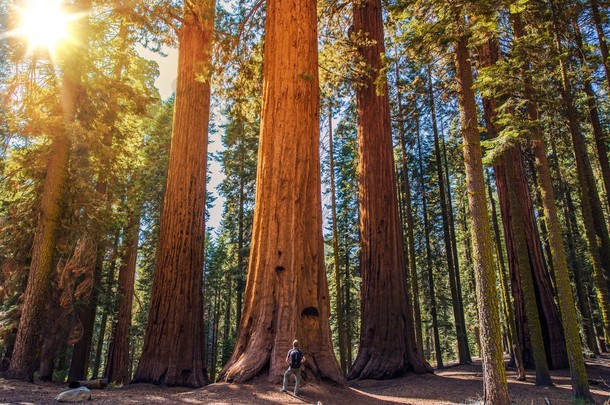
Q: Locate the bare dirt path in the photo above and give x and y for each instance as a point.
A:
(454, 385)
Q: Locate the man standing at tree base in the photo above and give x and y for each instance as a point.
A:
(294, 359)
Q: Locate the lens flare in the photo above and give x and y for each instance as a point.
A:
(43, 24)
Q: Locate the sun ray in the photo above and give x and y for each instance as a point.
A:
(44, 25)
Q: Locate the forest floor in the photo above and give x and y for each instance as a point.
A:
(452, 385)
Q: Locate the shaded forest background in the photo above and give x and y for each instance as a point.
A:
(541, 72)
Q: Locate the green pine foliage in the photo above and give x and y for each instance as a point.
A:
(118, 100)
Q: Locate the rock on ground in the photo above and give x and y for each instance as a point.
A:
(75, 395)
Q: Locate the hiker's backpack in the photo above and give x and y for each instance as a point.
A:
(296, 356)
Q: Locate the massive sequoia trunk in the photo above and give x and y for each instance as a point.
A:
(550, 320)
(287, 294)
(173, 352)
(495, 389)
(543, 376)
(33, 316)
(387, 340)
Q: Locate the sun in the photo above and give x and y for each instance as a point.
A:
(43, 24)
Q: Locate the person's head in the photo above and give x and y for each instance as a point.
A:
(295, 344)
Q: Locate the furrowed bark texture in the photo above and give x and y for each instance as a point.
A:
(550, 320)
(494, 375)
(287, 294)
(33, 311)
(173, 352)
(387, 340)
(565, 297)
(117, 365)
(578, 374)
(543, 376)
(509, 315)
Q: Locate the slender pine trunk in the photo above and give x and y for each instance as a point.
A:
(601, 37)
(336, 268)
(117, 363)
(458, 313)
(594, 116)
(495, 390)
(429, 266)
(108, 291)
(412, 260)
(595, 226)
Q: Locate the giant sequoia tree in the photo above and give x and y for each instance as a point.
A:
(387, 339)
(173, 352)
(286, 291)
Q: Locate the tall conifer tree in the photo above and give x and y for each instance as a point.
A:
(287, 295)
(173, 352)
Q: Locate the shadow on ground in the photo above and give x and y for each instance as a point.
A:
(453, 385)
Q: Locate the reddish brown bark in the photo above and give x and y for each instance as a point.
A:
(509, 316)
(543, 376)
(117, 365)
(173, 352)
(545, 296)
(523, 333)
(387, 341)
(287, 295)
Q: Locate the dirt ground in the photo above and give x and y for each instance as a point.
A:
(453, 385)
